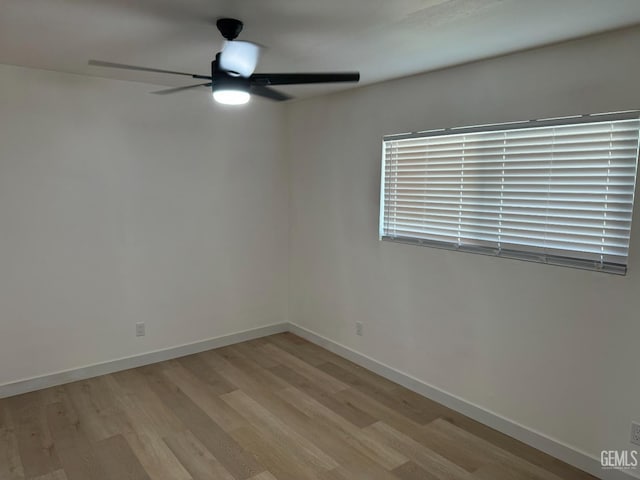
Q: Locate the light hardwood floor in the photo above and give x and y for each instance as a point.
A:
(274, 408)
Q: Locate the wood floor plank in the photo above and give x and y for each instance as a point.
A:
(100, 418)
(283, 464)
(347, 410)
(10, 462)
(356, 376)
(200, 369)
(57, 475)
(388, 457)
(253, 383)
(436, 465)
(214, 359)
(340, 474)
(155, 456)
(118, 461)
(141, 435)
(497, 472)
(36, 447)
(396, 398)
(480, 452)
(195, 457)
(256, 355)
(257, 342)
(246, 373)
(340, 446)
(206, 398)
(138, 393)
(264, 476)
(77, 455)
(253, 378)
(380, 411)
(304, 350)
(249, 359)
(240, 463)
(55, 394)
(274, 408)
(356, 457)
(517, 448)
(263, 420)
(344, 473)
(321, 379)
(413, 471)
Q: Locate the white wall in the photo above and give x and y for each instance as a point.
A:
(552, 348)
(117, 207)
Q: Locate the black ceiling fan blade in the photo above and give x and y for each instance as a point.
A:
(302, 78)
(180, 89)
(269, 93)
(100, 63)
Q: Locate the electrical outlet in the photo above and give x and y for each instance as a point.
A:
(140, 329)
(359, 328)
(635, 433)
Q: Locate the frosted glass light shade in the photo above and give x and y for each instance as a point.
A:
(239, 58)
(231, 97)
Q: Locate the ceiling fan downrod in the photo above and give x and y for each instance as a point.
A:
(229, 28)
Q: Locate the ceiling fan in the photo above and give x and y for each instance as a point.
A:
(232, 80)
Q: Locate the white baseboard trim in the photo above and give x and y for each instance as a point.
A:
(89, 371)
(555, 448)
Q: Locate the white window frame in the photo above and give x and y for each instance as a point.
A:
(533, 253)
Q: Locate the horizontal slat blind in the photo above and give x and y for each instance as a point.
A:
(553, 193)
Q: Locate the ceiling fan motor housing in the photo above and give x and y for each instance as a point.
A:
(221, 80)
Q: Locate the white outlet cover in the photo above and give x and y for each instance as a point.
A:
(140, 331)
(635, 433)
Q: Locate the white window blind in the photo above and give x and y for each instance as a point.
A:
(555, 191)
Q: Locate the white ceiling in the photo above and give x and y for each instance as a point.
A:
(382, 39)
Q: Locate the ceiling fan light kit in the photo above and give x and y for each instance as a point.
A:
(231, 97)
(229, 87)
(232, 80)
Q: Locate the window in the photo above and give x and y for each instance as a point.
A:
(555, 191)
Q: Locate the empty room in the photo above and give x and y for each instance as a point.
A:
(319, 240)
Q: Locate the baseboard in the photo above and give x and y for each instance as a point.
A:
(555, 448)
(59, 378)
